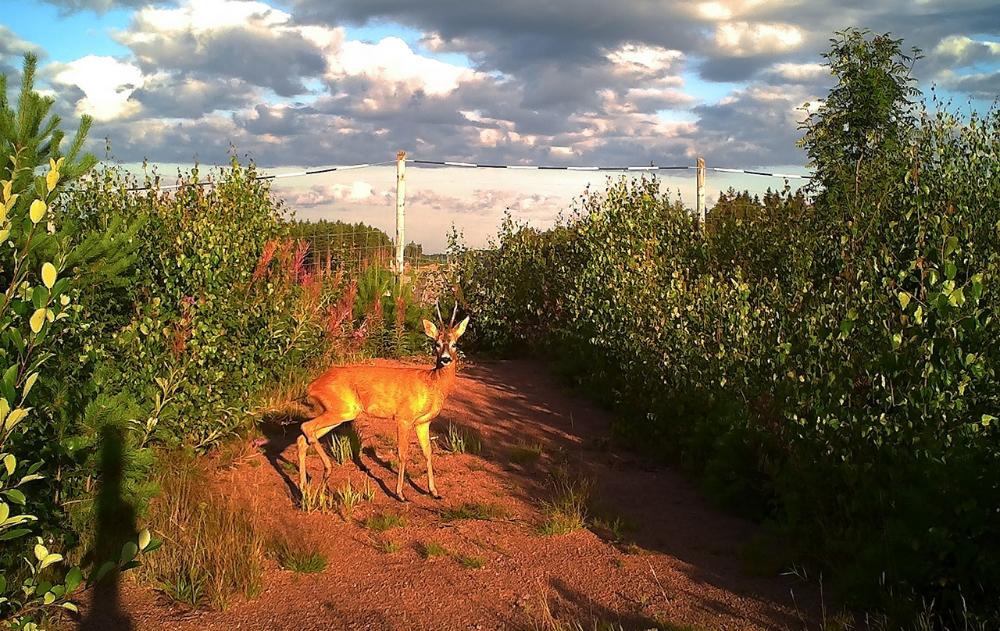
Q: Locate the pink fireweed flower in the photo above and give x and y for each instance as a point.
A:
(299, 259)
(266, 256)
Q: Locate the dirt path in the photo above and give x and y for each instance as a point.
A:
(678, 564)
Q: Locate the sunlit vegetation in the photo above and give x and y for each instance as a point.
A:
(823, 359)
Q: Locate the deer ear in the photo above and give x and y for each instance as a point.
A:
(430, 329)
(458, 330)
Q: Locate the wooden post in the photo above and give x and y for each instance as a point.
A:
(400, 211)
(701, 192)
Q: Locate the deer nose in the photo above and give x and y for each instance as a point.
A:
(446, 359)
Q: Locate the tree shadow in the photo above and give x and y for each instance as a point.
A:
(116, 524)
(580, 607)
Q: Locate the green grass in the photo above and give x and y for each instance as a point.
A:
(567, 511)
(387, 546)
(347, 498)
(462, 441)
(471, 562)
(294, 553)
(613, 528)
(473, 510)
(430, 549)
(380, 522)
(316, 498)
(525, 453)
(345, 447)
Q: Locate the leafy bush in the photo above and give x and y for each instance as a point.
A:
(829, 364)
(39, 312)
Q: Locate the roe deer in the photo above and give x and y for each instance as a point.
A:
(411, 396)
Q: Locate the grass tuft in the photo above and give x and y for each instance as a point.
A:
(345, 447)
(525, 453)
(473, 510)
(544, 619)
(368, 491)
(612, 528)
(430, 549)
(462, 441)
(347, 498)
(567, 511)
(380, 522)
(294, 553)
(471, 562)
(387, 546)
(316, 498)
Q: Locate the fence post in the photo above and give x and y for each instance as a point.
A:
(700, 179)
(400, 214)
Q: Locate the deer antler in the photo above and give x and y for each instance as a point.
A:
(437, 306)
(454, 312)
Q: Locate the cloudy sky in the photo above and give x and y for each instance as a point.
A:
(304, 83)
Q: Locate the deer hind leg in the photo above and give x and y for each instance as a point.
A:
(312, 431)
(424, 438)
(402, 447)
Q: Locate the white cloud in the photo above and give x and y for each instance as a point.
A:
(391, 60)
(800, 73)
(962, 47)
(741, 39)
(357, 192)
(202, 16)
(641, 58)
(107, 84)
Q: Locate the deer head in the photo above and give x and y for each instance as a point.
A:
(445, 351)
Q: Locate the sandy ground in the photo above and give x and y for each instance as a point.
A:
(676, 564)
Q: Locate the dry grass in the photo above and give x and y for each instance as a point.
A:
(279, 399)
(213, 546)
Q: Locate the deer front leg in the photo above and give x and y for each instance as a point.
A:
(424, 438)
(402, 446)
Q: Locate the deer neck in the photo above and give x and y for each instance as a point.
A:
(444, 376)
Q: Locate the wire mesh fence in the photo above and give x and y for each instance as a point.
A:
(359, 250)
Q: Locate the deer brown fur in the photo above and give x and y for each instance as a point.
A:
(411, 396)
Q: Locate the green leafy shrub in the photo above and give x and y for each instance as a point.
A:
(39, 312)
(827, 363)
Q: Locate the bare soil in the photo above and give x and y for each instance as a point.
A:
(677, 562)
